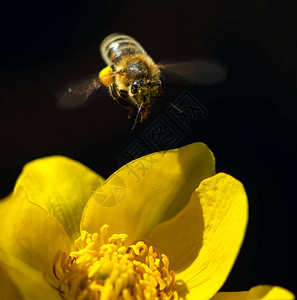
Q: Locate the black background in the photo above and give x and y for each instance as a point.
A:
(250, 126)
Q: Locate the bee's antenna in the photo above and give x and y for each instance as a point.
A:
(139, 109)
(172, 105)
(175, 107)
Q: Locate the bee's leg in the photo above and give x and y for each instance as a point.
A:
(113, 91)
(144, 113)
(121, 97)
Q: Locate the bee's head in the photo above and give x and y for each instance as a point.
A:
(146, 91)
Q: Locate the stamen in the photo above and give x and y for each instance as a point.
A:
(111, 270)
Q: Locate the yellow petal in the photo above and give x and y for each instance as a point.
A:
(225, 213)
(260, 292)
(180, 237)
(148, 191)
(24, 282)
(61, 186)
(29, 233)
(7, 287)
(230, 296)
(268, 292)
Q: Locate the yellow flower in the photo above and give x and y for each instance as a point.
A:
(176, 229)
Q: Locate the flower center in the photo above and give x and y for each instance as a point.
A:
(107, 269)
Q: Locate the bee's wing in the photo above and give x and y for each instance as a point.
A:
(77, 93)
(198, 71)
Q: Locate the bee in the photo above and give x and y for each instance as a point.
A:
(131, 76)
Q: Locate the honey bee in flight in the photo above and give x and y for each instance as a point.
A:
(132, 77)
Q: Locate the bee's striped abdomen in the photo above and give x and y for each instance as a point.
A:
(117, 45)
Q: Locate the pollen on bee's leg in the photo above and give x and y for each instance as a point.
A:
(105, 268)
(106, 76)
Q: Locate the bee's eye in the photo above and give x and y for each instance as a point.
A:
(136, 86)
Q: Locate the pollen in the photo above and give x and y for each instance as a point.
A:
(106, 76)
(104, 267)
